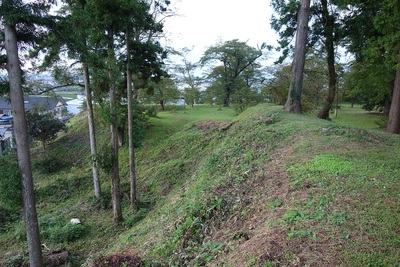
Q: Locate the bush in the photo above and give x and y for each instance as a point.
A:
(150, 111)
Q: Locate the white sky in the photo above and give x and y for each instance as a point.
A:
(201, 23)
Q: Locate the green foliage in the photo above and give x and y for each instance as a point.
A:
(63, 186)
(314, 88)
(161, 92)
(44, 127)
(68, 233)
(150, 110)
(49, 163)
(370, 81)
(293, 216)
(275, 203)
(104, 157)
(186, 241)
(18, 260)
(10, 185)
(57, 232)
(201, 188)
(233, 70)
(141, 114)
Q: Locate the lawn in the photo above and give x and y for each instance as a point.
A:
(357, 117)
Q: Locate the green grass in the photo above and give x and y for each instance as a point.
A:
(357, 117)
(317, 189)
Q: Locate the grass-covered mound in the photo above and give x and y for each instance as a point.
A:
(265, 188)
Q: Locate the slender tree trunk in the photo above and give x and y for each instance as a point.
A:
(132, 172)
(327, 20)
(92, 132)
(394, 113)
(121, 135)
(293, 103)
(21, 136)
(162, 104)
(115, 183)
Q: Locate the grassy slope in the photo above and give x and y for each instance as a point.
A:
(267, 189)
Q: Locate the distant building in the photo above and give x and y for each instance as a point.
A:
(43, 104)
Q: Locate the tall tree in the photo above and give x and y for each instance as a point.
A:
(10, 19)
(77, 44)
(293, 103)
(161, 92)
(142, 27)
(323, 33)
(129, 89)
(185, 72)
(72, 36)
(371, 34)
(328, 22)
(394, 113)
(235, 57)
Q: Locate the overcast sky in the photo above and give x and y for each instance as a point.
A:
(201, 23)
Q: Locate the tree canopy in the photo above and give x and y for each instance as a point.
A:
(229, 63)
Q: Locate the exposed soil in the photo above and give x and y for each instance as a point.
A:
(214, 125)
(255, 236)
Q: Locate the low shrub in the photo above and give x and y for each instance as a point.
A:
(150, 110)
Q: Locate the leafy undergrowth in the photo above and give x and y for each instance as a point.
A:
(263, 189)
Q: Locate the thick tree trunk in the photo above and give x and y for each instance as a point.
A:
(293, 103)
(132, 172)
(92, 133)
(227, 98)
(162, 104)
(327, 20)
(394, 113)
(115, 180)
(21, 136)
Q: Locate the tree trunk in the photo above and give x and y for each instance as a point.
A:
(328, 22)
(132, 172)
(115, 183)
(92, 132)
(293, 103)
(21, 136)
(227, 98)
(394, 113)
(121, 135)
(162, 104)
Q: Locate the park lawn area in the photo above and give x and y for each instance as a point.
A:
(181, 116)
(357, 117)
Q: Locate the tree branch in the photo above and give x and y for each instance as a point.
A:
(43, 91)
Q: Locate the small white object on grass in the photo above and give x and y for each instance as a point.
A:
(75, 221)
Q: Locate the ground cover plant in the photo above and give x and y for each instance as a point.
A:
(264, 188)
